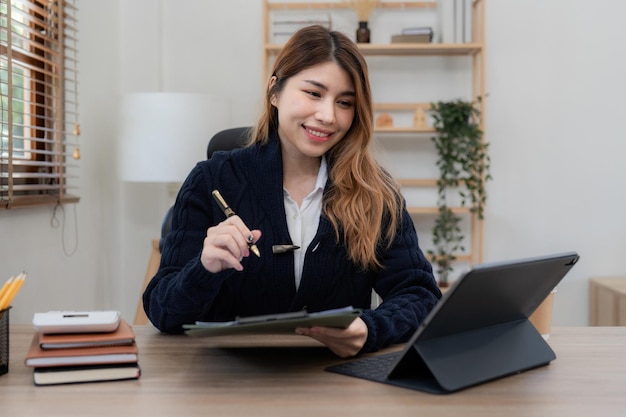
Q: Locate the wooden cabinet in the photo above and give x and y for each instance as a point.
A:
(607, 301)
(281, 16)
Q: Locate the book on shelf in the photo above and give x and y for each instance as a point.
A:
(419, 30)
(455, 21)
(447, 21)
(89, 373)
(38, 357)
(123, 335)
(411, 38)
(467, 20)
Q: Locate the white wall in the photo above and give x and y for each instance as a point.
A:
(81, 280)
(555, 120)
(555, 83)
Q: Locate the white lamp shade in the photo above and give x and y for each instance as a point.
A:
(163, 135)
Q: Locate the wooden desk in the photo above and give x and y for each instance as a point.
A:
(187, 377)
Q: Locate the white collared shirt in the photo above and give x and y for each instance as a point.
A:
(302, 221)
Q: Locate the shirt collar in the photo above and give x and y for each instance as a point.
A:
(322, 175)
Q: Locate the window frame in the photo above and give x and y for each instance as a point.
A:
(37, 163)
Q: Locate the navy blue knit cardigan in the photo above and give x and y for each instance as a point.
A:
(250, 179)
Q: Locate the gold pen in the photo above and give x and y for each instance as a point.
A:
(229, 213)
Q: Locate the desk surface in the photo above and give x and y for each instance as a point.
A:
(233, 376)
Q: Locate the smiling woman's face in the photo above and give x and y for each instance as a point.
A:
(316, 108)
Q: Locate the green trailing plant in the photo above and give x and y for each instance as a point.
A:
(463, 168)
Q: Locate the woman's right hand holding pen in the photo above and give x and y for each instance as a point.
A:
(226, 244)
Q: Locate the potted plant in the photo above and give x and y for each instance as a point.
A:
(463, 168)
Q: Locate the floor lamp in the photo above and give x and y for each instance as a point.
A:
(162, 136)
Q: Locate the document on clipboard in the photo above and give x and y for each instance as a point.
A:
(281, 323)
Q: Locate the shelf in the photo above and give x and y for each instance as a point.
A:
(435, 210)
(421, 182)
(407, 49)
(344, 5)
(384, 118)
(460, 258)
(403, 130)
(417, 182)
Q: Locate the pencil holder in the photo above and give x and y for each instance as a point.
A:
(4, 341)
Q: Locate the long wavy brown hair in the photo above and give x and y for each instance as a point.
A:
(363, 202)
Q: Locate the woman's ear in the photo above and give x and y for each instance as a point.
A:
(271, 84)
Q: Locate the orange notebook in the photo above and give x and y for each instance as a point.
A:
(38, 357)
(123, 335)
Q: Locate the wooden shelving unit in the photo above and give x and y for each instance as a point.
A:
(419, 127)
(406, 49)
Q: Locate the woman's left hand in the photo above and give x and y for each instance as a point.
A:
(343, 342)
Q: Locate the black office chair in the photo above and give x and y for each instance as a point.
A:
(224, 140)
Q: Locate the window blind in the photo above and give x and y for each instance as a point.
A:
(39, 149)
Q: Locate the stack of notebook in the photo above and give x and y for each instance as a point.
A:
(64, 358)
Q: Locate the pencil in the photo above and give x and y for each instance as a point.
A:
(4, 293)
(5, 285)
(229, 212)
(16, 289)
(11, 291)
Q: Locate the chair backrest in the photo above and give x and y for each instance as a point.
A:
(224, 140)
(227, 140)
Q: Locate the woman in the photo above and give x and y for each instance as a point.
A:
(306, 178)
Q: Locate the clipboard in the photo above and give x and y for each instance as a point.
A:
(281, 323)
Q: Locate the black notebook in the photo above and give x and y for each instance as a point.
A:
(477, 332)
